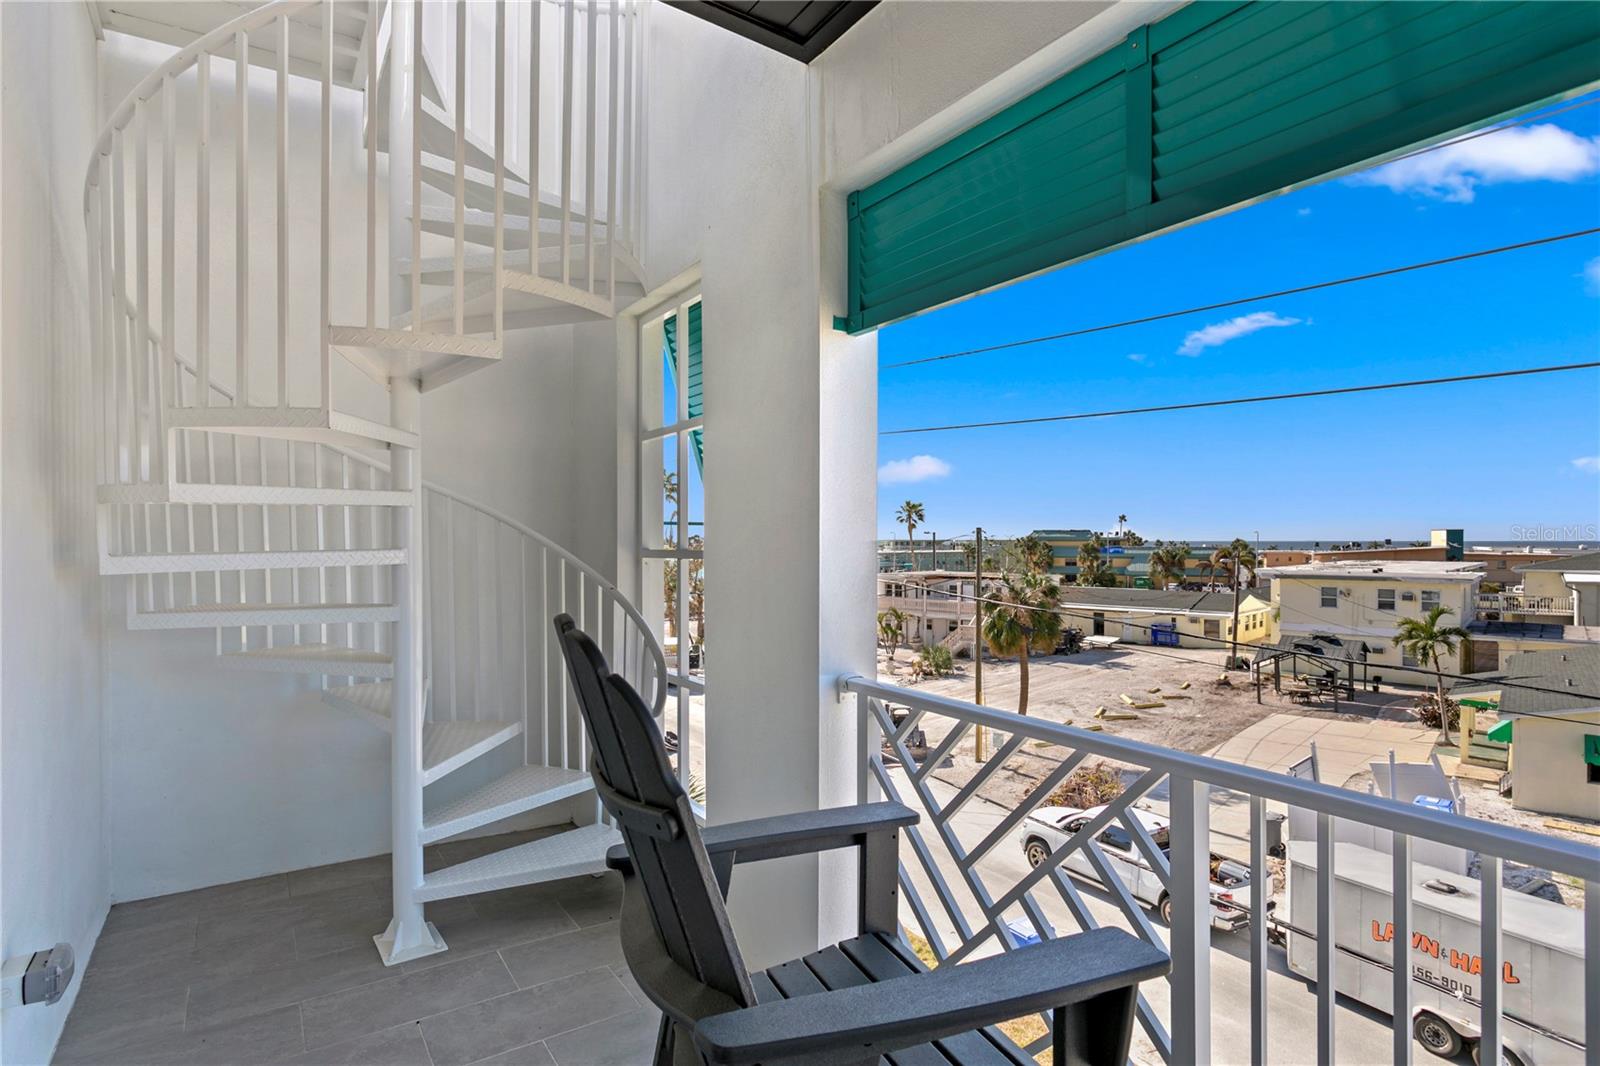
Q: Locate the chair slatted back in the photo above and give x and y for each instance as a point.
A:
(639, 791)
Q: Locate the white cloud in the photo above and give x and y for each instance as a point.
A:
(916, 468)
(1137, 357)
(1223, 332)
(1453, 173)
(1589, 464)
(1591, 276)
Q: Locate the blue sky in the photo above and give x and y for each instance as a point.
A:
(1489, 457)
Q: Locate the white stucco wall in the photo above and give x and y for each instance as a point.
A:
(53, 870)
(750, 157)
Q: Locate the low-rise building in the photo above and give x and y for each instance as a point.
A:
(936, 603)
(1367, 599)
(1157, 616)
(1562, 588)
(1552, 701)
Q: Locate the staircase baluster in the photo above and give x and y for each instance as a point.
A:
(372, 104)
(325, 217)
(415, 119)
(450, 604)
(589, 106)
(613, 81)
(141, 283)
(236, 446)
(266, 536)
(500, 171)
(535, 66)
(294, 534)
(122, 355)
(241, 213)
(627, 133)
(344, 482)
(202, 230)
(319, 515)
(524, 602)
(566, 143)
(460, 247)
(281, 104)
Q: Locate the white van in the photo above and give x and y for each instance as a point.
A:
(1541, 948)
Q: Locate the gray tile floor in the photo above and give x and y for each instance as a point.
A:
(282, 969)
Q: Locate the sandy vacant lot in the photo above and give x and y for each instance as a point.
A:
(1069, 689)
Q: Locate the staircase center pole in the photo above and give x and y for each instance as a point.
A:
(410, 935)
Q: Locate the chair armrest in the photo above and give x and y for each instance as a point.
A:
(875, 1019)
(807, 832)
(793, 834)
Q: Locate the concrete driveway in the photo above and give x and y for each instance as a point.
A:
(1345, 747)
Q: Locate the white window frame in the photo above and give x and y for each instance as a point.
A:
(651, 522)
(1428, 599)
(1326, 593)
(1392, 597)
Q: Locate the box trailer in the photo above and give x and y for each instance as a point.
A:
(1541, 974)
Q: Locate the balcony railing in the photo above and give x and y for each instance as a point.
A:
(967, 896)
(1518, 603)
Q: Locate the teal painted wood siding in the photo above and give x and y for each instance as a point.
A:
(696, 395)
(1212, 106)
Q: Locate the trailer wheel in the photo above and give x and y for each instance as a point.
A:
(1507, 1056)
(1164, 908)
(1435, 1034)
(1037, 851)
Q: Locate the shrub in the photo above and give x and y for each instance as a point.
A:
(935, 660)
(1089, 786)
(1427, 710)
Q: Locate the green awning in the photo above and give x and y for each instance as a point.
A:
(669, 330)
(1591, 749)
(1501, 733)
(1213, 106)
(1480, 704)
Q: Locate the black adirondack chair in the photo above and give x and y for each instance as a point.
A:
(859, 1001)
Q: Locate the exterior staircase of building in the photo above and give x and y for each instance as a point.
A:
(239, 494)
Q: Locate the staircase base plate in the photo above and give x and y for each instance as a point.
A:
(433, 944)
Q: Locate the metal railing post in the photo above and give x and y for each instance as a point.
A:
(1189, 888)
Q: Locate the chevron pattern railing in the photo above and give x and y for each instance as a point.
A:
(960, 894)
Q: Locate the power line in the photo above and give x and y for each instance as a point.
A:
(1389, 272)
(1198, 404)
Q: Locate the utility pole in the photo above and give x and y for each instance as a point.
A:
(979, 734)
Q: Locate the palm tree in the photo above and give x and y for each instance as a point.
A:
(1021, 617)
(1426, 640)
(1235, 556)
(1033, 553)
(1091, 564)
(1122, 520)
(1168, 564)
(891, 627)
(911, 516)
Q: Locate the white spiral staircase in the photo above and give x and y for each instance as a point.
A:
(496, 189)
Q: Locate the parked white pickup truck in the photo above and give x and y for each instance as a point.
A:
(1047, 828)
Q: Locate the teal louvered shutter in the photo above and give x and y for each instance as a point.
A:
(1212, 106)
(696, 394)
